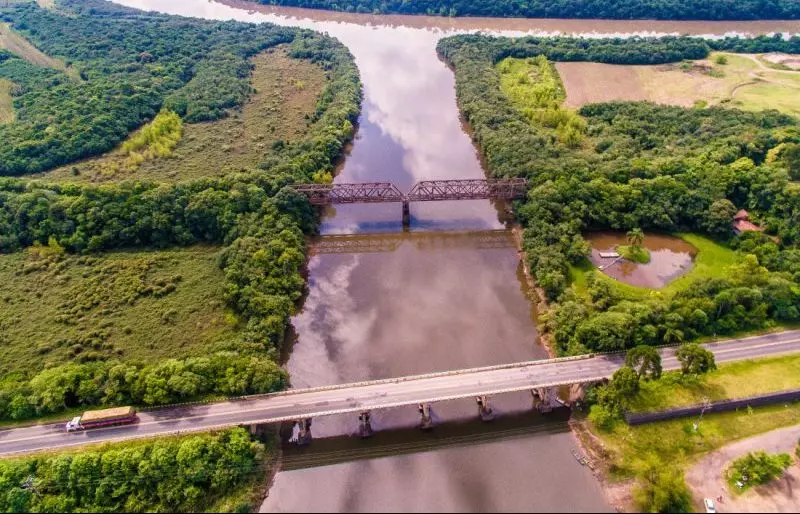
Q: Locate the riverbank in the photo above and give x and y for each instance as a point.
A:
(539, 299)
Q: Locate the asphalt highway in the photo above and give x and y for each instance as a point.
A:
(345, 398)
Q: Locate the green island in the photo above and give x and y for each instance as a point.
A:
(154, 203)
(663, 10)
(636, 167)
(636, 254)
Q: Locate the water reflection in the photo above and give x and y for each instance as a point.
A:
(670, 258)
(423, 307)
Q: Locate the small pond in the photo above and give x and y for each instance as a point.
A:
(670, 258)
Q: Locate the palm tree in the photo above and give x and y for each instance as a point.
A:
(635, 237)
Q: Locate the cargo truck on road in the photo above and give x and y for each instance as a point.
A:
(102, 418)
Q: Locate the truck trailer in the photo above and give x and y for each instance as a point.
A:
(102, 418)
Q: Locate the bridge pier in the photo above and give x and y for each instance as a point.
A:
(577, 392)
(406, 214)
(484, 409)
(304, 432)
(364, 425)
(542, 399)
(425, 411)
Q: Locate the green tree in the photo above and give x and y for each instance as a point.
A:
(661, 488)
(694, 359)
(757, 468)
(625, 384)
(790, 155)
(635, 237)
(719, 217)
(645, 360)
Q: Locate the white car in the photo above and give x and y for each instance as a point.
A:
(710, 507)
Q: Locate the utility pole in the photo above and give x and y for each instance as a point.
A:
(706, 406)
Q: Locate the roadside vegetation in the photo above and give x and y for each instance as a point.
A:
(199, 473)
(730, 381)
(656, 454)
(663, 10)
(757, 468)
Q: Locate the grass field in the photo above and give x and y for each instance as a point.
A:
(18, 45)
(286, 91)
(143, 305)
(712, 261)
(6, 105)
(676, 443)
(745, 82)
(735, 380)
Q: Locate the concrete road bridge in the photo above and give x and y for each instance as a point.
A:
(539, 377)
(425, 191)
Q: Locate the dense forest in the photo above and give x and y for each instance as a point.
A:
(188, 474)
(131, 65)
(611, 9)
(637, 165)
(260, 223)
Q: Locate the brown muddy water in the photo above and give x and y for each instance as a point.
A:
(670, 258)
(447, 295)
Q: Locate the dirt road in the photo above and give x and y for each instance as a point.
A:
(706, 479)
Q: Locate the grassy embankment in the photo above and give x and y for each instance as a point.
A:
(133, 305)
(676, 441)
(745, 82)
(285, 94)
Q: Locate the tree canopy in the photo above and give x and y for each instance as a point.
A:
(615, 9)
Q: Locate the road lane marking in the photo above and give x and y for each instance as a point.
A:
(497, 374)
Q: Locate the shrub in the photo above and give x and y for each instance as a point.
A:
(757, 468)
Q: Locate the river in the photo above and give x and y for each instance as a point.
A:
(424, 300)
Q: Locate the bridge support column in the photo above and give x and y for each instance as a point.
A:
(542, 399)
(304, 432)
(365, 425)
(406, 214)
(577, 392)
(425, 412)
(484, 409)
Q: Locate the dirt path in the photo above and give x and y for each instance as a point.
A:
(706, 479)
(758, 76)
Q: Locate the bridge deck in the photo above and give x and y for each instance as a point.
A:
(378, 394)
(425, 191)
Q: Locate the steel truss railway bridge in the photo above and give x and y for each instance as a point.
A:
(425, 191)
